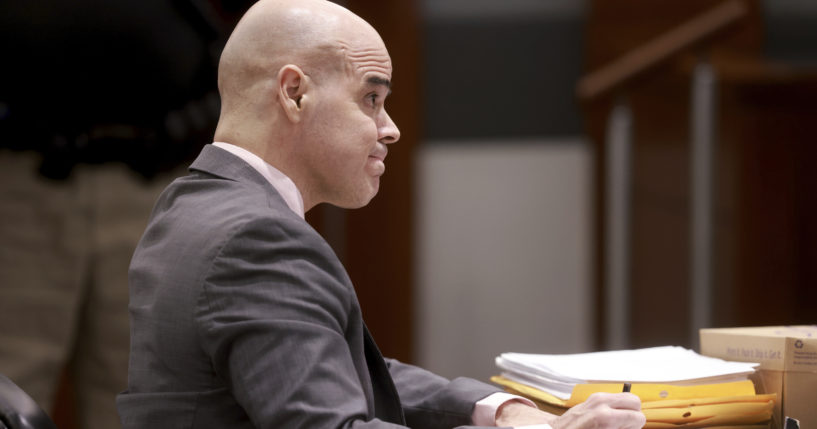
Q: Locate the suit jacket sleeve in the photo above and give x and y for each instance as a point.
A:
(431, 401)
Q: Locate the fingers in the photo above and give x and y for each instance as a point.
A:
(623, 419)
(604, 410)
(627, 401)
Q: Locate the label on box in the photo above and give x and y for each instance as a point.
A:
(803, 354)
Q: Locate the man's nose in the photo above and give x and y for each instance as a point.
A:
(388, 132)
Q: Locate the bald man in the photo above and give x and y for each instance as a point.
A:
(241, 314)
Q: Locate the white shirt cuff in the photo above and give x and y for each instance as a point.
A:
(485, 410)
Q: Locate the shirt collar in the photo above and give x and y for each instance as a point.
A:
(283, 184)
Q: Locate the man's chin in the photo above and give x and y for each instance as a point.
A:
(361, 200)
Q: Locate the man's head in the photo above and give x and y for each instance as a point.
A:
(303, 84)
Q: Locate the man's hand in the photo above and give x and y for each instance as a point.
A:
(603, 411)
(599, 411)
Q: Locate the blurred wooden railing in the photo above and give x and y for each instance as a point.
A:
(698, 31)
(616, 78)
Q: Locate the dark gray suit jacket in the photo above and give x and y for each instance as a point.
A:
(243, 317)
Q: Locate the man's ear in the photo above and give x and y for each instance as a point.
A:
(292, 86)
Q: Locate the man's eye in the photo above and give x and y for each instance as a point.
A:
(373, 99)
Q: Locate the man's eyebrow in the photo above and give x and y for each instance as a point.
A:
(376, 80)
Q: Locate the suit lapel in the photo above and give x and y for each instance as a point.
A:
(386, 400)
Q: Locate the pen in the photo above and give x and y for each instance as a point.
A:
(626, 387)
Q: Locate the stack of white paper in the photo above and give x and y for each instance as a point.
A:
(558, 374)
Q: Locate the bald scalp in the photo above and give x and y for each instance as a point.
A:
(275, 33)
(315, 38)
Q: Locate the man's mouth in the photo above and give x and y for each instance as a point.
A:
(377, 160)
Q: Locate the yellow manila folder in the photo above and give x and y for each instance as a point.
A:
(545, 401)
(649, 392)
(708, 412)
(669, 406)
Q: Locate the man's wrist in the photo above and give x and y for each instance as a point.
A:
(518, 415)
(487, 409)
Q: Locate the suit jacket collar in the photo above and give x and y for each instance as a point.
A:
(218, 162)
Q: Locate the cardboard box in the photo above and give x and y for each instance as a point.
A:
(788, 364)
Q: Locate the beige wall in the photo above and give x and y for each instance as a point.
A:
(503, 257)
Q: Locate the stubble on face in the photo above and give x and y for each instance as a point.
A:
(352, 157)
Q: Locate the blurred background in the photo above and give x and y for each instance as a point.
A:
(573, 175)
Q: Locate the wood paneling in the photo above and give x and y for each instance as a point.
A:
(765, 243)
